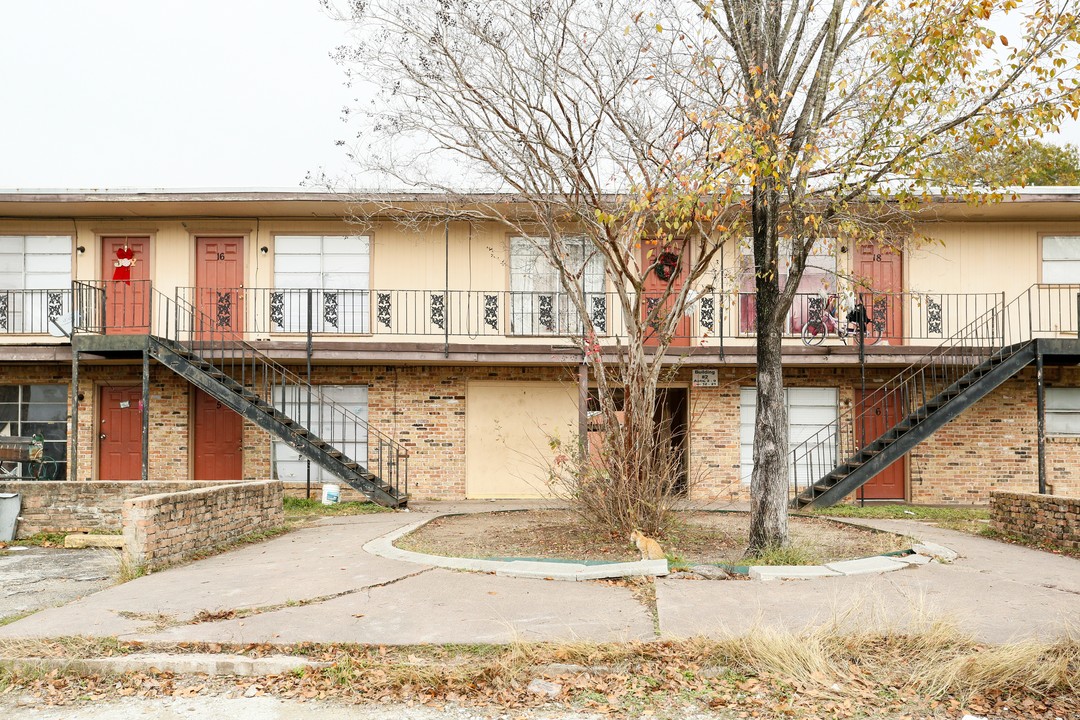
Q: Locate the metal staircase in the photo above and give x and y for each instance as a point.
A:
(222, 364)
(839, 459)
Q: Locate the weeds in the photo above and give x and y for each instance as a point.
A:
(44, 539)
(791, 554)
(127, 569)
(904, 512)
(302, 508)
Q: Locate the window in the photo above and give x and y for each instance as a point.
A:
(1063, 411)
(291, 466)
(538, 304)
(809, 410)
(337, 270)
(1061, 259)
(27, 410)
(35, 281)
(820, 274)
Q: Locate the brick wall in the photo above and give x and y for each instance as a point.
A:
(1050, 519)
(74, 506)
(990, 447)
(170, 527)
(993, 446)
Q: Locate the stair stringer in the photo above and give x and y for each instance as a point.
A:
(359, 479)
(921, 429)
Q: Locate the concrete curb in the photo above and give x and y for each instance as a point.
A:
(383, 546)
(188, 664)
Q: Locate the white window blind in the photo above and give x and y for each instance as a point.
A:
(1063, 411)
(35, 281)
(809, 410)
(538, 303)
(1061, 259)
(291, 466)
(337, 271)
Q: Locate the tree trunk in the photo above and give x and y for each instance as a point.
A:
(769, 483)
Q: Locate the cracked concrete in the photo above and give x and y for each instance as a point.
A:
(37, 577)
(318, 585)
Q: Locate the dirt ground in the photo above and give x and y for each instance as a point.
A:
(696, 537)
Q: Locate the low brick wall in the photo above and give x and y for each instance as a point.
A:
(75, 506)
(169, 527)
(1051, 519)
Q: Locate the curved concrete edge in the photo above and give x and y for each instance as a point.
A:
(923, 554)
(383, 546)
(186, 664)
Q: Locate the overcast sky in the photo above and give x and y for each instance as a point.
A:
(191, 94)
(145, 93)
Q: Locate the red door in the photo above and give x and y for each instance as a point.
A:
(219, 280)
(882, 414)
(670, 271)
(120, 433)
(126, 274)
(880, 273)
(218, 441)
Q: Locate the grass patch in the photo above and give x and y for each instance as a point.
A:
(303, 508)
(8, 619)
(43, 539)
(991, 533)
(791, 554)
(904, 512)
(128, 570)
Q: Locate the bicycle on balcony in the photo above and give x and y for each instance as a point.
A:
(825, 318)
(16, 451)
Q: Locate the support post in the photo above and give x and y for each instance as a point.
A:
(73, 451)
(145, 415)
(310, 349)
(861, 324)
(583, 406)
(1040, 408)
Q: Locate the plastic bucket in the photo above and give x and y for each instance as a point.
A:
(330, 494)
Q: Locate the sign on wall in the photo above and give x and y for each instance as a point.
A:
(705, 378)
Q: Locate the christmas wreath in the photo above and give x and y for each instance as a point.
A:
(667, 265)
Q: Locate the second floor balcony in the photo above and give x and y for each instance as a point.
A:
(502, 320)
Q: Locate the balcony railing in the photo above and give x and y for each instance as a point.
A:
(434, 313)
(899, 317)
(118, 307)
(31, 312)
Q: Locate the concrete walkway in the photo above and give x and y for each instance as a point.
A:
(317, 585)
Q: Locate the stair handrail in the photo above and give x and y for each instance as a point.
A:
(947, 363)
(170, 311)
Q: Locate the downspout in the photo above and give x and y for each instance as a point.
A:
(1040, 408)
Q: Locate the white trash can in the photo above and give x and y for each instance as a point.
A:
(330, 494)
(10, 507)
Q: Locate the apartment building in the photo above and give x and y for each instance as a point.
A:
(234, 335)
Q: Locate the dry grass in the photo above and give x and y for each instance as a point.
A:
(692, 537)
(822, 672)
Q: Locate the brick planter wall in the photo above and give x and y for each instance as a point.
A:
(1051, 519)
(75, 506)
(169, 527)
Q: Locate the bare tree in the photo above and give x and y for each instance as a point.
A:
(693, 123)
(553, 108)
